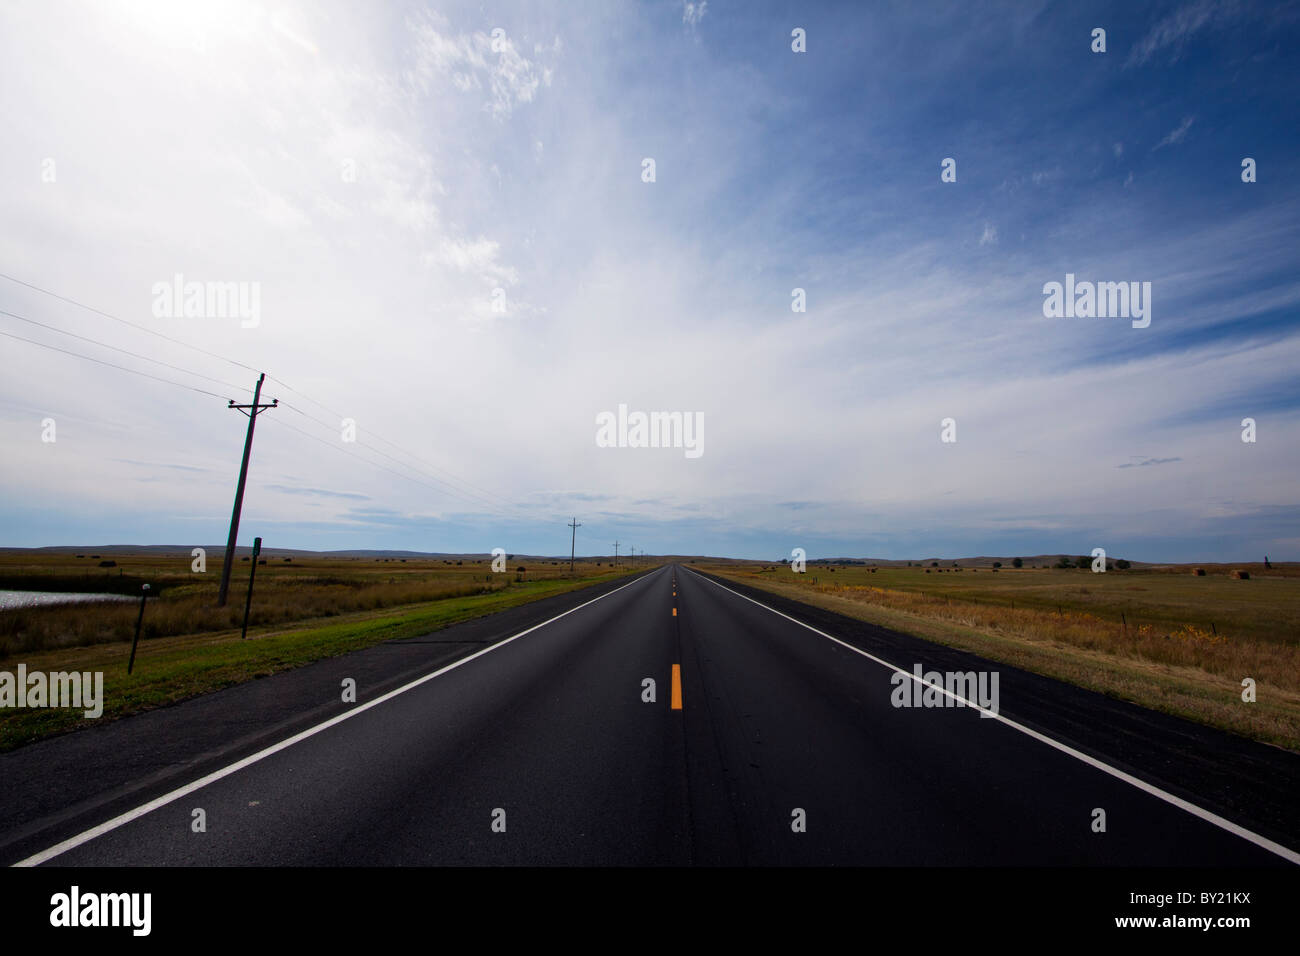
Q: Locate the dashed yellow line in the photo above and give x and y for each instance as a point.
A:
(677, 687)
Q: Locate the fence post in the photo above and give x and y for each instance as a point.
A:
(144, 593)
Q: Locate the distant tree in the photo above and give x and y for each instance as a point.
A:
(1017, 562)
(997, 564)
(1082, 561)
(1064, 562)
(1122, 564)
(934, 564)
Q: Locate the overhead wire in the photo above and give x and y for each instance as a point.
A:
(452, 483)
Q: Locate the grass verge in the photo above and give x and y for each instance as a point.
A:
(172, 669)
(1066, 649)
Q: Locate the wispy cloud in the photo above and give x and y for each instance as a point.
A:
(1144, 462)
(1172, 32)
(316, 492)
(1176, 135)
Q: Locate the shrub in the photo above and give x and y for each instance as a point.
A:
(1017, 562)
(108, 564)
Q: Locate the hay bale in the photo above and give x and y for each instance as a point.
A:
(1241, 575)
(1199, 572)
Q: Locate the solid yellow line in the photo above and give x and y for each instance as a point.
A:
(677, 687)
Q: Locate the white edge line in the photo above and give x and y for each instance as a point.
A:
(86, 836)
(1224, 824)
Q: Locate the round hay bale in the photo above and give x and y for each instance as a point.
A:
(1199, 572)
(1241, 575)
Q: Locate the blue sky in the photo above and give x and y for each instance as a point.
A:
(208, 140)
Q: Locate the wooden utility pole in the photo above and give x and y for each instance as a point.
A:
(615, 554)
(252, 412)
(573, 541)
(252, 573)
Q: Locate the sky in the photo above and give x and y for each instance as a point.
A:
(441, 221)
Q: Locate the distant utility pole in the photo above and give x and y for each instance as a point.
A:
(615, 554)
(252, 411)
(573, 541)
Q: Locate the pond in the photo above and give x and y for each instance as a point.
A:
(16, 599)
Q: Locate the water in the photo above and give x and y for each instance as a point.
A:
(15, 599)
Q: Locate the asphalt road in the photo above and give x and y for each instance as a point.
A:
(543, 750)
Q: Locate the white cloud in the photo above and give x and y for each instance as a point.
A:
(1174, 30)
(990, 236)
(477, 257)
(1176, 135)
(693, 13)
(476, 61)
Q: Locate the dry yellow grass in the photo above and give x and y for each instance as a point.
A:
(1178, 667)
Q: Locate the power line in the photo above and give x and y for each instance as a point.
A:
(133, 371)
(459, 486)
(283, 424)
(177, 368)
(454, 479)
(108, 315)
(449, 488)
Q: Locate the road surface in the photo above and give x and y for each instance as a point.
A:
(545, 748)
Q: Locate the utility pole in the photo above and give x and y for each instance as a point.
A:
(252, 411)
(573, 541)
(615, 554)
(252, 573)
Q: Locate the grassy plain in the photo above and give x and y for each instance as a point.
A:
(303, 610)
(1161, 637)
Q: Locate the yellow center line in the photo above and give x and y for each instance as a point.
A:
(674, 612)
(677, 687)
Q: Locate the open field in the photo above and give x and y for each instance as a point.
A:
(1159, 637)
(303, 610)
(288, 589)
